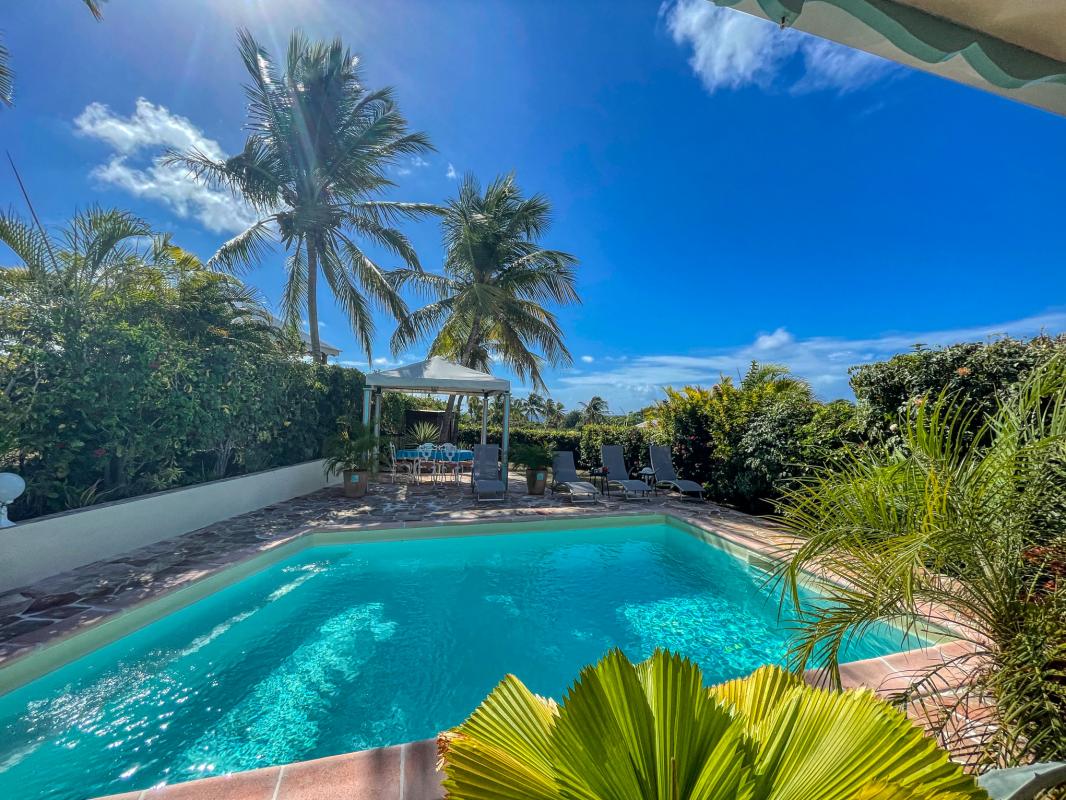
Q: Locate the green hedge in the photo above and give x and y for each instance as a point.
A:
(162, 382)
(583, 442)
(978, 372)
(556, 438)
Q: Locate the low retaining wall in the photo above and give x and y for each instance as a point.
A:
(49, 545)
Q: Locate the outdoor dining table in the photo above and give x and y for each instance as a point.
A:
(412, 454)
(438, 457)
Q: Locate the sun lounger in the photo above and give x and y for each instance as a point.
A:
(565, 479)
(665, 475)
(485, 473)
(618, 475)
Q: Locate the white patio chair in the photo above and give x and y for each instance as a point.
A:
(449, 460)
(397, 465)
(426, 452)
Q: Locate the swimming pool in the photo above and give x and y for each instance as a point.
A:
(341, 647)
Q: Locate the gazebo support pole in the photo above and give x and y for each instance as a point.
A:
(484, 419)
(366, 405)
(506, 439)
(379, 399)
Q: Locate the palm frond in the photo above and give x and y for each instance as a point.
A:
(245, 250)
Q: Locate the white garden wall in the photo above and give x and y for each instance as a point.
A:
(48, 545)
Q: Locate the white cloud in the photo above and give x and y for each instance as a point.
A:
(587, 359)
(416, 162)
(732, 49)
(822, 360)
(136, 165)
(451, 173)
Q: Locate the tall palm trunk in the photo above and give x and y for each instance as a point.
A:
(464, 360)
(312, 299)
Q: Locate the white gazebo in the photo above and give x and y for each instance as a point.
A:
(438, 376)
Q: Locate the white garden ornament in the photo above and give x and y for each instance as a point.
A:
(11, 486)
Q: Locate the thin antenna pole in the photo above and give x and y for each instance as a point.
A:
(33, 213)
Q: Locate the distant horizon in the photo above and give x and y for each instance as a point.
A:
(733, 192)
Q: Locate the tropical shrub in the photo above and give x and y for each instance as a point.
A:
(974, 372)
(350, 448)
(938, 529)
(746, 442)
(652, 731)
(634, 443)
(126, 367)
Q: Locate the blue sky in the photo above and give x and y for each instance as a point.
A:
(732, 191)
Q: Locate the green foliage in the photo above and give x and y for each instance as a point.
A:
(552, 438)
(938, 528)
(318, 193)
(652, 731)
(497, 280)
(351, 448)
(594, 411)
(975, 373)
(531, 456)
(126, 367)
(634, 443)
(422, 432)
(747, 442)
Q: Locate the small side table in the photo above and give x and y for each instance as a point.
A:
(648, 476)
(600, 474)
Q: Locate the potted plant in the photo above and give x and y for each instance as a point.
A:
(536, 458)
(351, 452)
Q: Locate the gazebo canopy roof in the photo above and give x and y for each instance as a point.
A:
(1016, 48)
(437, 376)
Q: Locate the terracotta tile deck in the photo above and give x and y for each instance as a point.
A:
(35, 616)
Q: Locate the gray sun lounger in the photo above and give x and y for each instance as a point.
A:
(485, 473)
(618, 475)
(565, 479)
(665, 475)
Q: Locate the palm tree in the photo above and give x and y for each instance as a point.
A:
(939, 530)
(553, 413)
(537, 407)
(594, 411)
(314, 163)
(7, 75)
(489, 301)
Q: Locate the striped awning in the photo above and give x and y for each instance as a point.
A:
(1016, 48)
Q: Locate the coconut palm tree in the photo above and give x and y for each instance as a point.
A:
(490, 299)
(537, 407)
(315, 161)
(594, 411)
(7, 75)
(553, 413)
(939, 530)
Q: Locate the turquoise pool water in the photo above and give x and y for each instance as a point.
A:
(345, 647)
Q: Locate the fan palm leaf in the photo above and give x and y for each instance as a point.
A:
(653, 732)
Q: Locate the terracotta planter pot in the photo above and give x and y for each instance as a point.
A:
(535, 480)
(355, 483)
